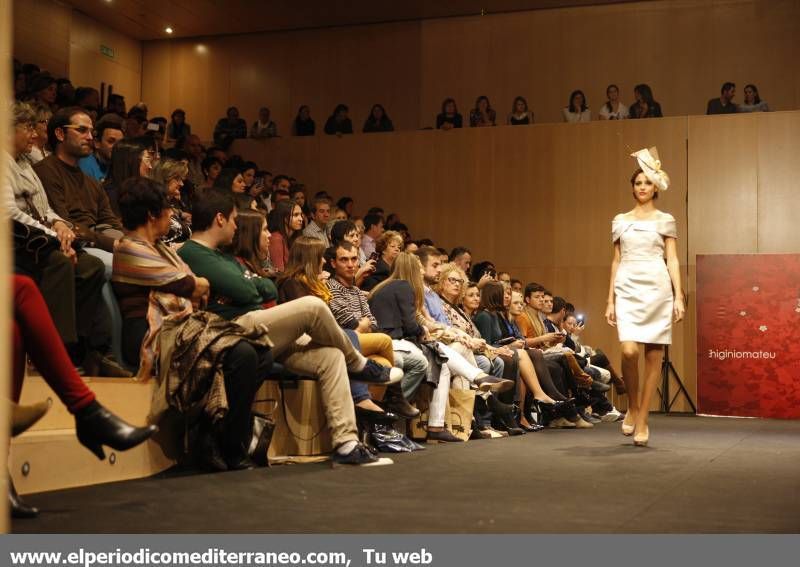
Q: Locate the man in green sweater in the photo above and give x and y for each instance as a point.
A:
(237, 294)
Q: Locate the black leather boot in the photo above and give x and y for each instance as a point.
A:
(96, 426)
(19, 509)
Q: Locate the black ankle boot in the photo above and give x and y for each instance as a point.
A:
(96, 426)
(19, 509)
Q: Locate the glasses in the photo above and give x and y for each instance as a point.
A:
(455, 281)
(28, 127)
(82, 130)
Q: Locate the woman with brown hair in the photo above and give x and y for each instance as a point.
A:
(285, 224)
(250, 244)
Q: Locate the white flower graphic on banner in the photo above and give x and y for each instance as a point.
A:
(756, 288)
(743, 313)
(763, 328)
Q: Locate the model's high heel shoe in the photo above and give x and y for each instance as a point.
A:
(96, 426)
(627, 424)
(640, 438)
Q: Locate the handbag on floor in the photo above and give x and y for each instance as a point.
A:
(459, 412)
(263, 428)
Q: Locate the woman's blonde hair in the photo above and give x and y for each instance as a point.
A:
(22, 113)
(305, 259)
(407, 267)
(168, 169)
(383, 241)
(448, 269)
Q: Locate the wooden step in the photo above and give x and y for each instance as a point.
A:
(53, 459)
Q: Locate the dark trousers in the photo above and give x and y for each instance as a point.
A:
(35, 334)
(550, 374)
(245, 367)
(73, 296)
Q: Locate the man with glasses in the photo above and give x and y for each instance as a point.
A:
(74, 195)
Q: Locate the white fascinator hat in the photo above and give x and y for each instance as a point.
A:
(651, 166)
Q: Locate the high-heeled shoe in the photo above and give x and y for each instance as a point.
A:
(640, 438)
(24, 417)
(494, 384)
(627, 424)
(19, 509)
(96, 426)
(377, 417)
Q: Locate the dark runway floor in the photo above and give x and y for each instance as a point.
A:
(700, 475)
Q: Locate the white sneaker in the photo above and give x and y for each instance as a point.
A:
(611, 416)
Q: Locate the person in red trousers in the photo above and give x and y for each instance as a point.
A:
(35, 334)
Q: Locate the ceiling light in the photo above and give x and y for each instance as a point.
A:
(168, 30)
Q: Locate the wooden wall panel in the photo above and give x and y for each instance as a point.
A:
(42, 34)
(778, 156)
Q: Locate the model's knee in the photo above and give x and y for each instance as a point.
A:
(630, 351)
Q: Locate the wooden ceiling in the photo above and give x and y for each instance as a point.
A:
(147, 19)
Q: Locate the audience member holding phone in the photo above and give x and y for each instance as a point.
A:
(387, 247)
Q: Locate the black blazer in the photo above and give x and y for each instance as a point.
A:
(382, 271)
(393, 308)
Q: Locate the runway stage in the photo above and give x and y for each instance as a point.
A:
(700, 475)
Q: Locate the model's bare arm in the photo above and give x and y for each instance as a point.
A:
(674, 269)
(611, 315)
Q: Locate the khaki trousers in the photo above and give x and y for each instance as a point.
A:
(328, 356)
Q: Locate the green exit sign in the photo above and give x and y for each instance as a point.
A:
(107, 51)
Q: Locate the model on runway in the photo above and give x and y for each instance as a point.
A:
(645, 294)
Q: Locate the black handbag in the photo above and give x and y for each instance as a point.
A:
(33, 242)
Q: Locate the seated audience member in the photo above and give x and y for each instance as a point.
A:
(388, 246)
(320, 214)
(263, 127)
(461, 257)
(107, 132)
(398, 306)
(504, 278)
(724, 104)
(378, 120)
(42, 90)
(229, 128)
(40, 148)
(213, 384)
(613, 109)
(645, 105)
(449, 117)
(231, 180)
(129, 158)
(70, 281)
(286, 224)
(116, 105)
(237, 298)
(483, 114)
(192, 146)
(520, 114)
(219, 153)
(752, 102)
(303, 123)
(248, 170)
(19, 84)
(251, 245)
(577, 110)
(171, 174)
(351, 310)
(346, 204)
(74, 196)
(373, 228)
(211, 168)
(65, 93)
(178, 128)
(516, 285)
(35, 337)
(339, 123)
(135, 125)
(88, 98)
(347, 231)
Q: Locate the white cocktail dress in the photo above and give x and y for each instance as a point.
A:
(642, 287)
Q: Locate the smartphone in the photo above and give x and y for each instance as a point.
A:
(506, 341)
(374, 256)
(580, 318)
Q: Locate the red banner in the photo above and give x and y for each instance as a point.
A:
(748, 345)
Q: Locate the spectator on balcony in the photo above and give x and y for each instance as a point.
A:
(449, 117)
(264, 127)
(519, 113)
(613, 109)
(378, 120)
(483, 114)
(577, 110)
(724, 104)
(303, 123)
(339, 122)
(229, 128)
(645, 105)
(752, 102)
